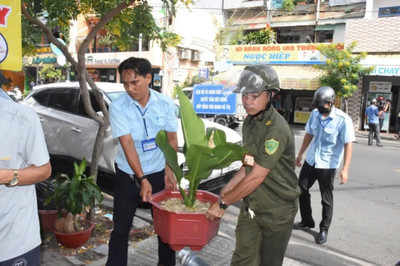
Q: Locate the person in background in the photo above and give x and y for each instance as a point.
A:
(329, 136)
(24, 161)
(136, 117)
(287, 107)
(372, 119)
(381, 105)
(397, 136)
(266, 182)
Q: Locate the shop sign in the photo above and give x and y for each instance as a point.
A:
(380, 86)
(386, 71)
(10, 35)
(298, 53)
(44, 60)
(93, 60)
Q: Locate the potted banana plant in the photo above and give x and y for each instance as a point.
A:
(74, 194)
(205, 151)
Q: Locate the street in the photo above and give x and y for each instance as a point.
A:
(365, 226)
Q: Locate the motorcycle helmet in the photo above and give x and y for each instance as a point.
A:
(323, 95)
(256, 78)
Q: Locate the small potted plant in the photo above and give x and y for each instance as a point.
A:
(75, 195)
(204, 150)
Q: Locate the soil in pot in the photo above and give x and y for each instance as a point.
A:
(177, 205)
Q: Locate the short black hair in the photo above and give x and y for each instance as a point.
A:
(141, 66)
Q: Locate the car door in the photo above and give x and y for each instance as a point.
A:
(61, 129)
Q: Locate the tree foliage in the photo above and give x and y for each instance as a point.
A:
(263, 36)
(343, 69)
(48, 15)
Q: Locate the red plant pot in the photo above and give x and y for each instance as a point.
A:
(181, 229)
(75, 240)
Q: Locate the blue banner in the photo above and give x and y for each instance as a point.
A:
(212, 99)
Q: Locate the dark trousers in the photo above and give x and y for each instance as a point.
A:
(374, 134)
(30, 258)
(308, 175)
(126, 200)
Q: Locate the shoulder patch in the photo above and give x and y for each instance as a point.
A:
(271, 146)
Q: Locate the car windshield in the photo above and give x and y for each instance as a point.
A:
(114, 95)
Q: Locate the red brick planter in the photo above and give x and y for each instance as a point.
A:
(180, 229)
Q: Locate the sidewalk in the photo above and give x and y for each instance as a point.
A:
(144, 253)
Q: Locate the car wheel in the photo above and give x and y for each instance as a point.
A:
(220, 121)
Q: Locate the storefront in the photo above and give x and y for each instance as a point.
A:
(388, 87)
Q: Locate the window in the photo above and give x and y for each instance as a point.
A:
(63, 99)
(41, 97)
(81, 107)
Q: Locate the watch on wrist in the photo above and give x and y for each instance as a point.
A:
(14, 179)
(222, 205)
(142, 178)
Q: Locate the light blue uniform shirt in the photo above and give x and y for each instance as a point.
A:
(22, 144)
(330, 135)
(372, 114)
(126, 117)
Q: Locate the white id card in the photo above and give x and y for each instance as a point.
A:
(149, 144)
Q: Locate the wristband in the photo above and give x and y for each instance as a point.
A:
(140, 179)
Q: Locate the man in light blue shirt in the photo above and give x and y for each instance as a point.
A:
(136, 117)
(24, 161)
(372, 118)
(330, 133)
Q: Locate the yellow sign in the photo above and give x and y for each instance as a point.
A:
(10, 35)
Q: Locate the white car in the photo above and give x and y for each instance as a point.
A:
(70, 133)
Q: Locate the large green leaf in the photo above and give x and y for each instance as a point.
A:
(227, 153)
(218, 137)
(170, 154)
(192, 125)
(200, 162)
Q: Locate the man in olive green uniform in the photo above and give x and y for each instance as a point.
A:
(267, 182)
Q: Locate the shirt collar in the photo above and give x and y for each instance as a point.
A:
(152, 98)
(332, 114)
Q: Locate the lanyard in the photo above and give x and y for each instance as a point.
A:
(326, 122)
(144, 120)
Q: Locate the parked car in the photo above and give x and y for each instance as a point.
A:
(70, 133)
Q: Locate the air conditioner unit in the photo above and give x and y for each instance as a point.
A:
(184, 54)
(195, 55)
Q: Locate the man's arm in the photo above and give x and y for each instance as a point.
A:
(244, 187)
(306, 142)
(344, 174)
(27, 176)
(134, 162)
(170, 182)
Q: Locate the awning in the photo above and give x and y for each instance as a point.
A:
(291, 77)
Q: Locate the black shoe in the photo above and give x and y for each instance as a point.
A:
(322, 237)
(379, 145)
(369, 144)
(301, 226)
